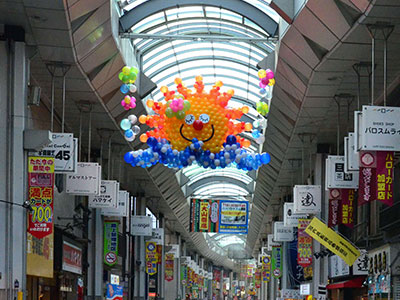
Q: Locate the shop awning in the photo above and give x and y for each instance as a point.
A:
(352, 283)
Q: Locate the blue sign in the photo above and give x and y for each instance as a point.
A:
(114, 292)
(233, 217)
(296, 272)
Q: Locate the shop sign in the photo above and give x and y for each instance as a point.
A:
(376, 177)
(305, 289)
(341, 207)
(360, 267)
(121, 209)
(296, 272)
(141, 226)
(282, 233)
(335, 207)
(307, 199)
(271, 242)
(151, 258)
(233, 217)
(72, 258)
(204, 215)
(332, 241)
(379, 128)
(41, 195)
(266, 268)
(85, 181)
(174, 249)
(108, 196)
(337, 267)
(110, 243)
(304, 244)
(264, 250)
(335, 174)
(351, 159)
(276, 261)
(114, 279)
(64, 150)
(157, 236)
(290, 294)
(40, 256)
(290, 219)
(114, 292)
(379, 261)
(169, 267)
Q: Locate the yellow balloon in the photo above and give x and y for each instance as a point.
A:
(262, 73)
(271, 82)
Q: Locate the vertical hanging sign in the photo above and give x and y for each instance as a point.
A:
(41, 193)
(169, 266)
(347, 213)
(304, 244)
(277, 261)
(335, 207)
(266, 268)
(110, 243)
(151, 258)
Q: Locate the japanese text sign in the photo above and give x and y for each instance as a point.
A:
(169, 267)
(307, 199)
(282, 233)
(141, 226)
(110, 243)
(121, 210)
(335, 207)
(351, 160)
(277, 261)
(86, 180)
(290, 219)
(151, 258)
(233, 217)
(72, 258)
(335, 174)
(108, 196)
(304, 244)
(333, 241)
(266, 268)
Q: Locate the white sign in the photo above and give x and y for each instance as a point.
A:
(282, 233)
(351, 155)
(271, 242)
(305, 289)
(292, 294)
(336, 177)
(157, 236)
(290, 219)
(307, 199)
(264, 250)
(337, 267)
(380, 128)
(63, 149)
(141, 226)
(360, 266)
(108, 196)
(235, 283)
(121, 210)
(174, 250)
(86, 180)
(114, 279)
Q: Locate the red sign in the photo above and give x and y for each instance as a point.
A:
(304, 244)
(348, 207)
(335, 207)
(72, 258)
(341, 207)
(41, 195)
(376, 177)
(169, 267)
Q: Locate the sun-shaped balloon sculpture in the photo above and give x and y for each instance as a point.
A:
(196, 126)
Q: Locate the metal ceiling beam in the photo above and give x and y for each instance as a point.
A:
(197, 38)
(149, 8)
(217, 179)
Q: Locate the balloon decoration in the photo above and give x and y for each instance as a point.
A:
(195, 126)
(131, 130)
(128, 77)
(267, 80)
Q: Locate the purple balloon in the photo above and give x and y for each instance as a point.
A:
(265, 80)
(262, 85)
(270, 75)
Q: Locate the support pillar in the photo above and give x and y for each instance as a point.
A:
(141, 285)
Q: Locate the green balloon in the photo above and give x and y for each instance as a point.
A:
(125, 79)
(120, 76)
(132, 76)
(134, 70)
(180, 115)
(169, 103)
(169, 112)
(186, 105)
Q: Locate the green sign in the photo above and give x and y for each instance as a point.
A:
(110, 243)
(276, 261)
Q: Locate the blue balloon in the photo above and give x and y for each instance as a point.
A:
(265, 158)
(124, 89)
(128, 157)
(255, 134)
(231, 139)
(151, 141)
(129, 133)
(125, 124)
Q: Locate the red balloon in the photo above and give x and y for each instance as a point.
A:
(198, 125)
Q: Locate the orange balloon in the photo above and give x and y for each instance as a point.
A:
(164, 89)
(248, 126)
(142, 119)
(199, 78)
(150, 103)
(143, 138)
(245, 109)
(230, 92)
(246, 143)
(178, 81)
(219, 83)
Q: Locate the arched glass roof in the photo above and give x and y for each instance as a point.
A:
(223, 45)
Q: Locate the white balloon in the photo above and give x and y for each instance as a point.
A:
(132, 119)
(130, 139)
(136, 129)
(217, 162)
(227, 147)
(132, 88)
(212, 156)
(164, 149)
(260, 140)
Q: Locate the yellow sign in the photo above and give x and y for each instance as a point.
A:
(39, 258)
(333, 241)
(204, 215)
(151, 258)
(40, 164)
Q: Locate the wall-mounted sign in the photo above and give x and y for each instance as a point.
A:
(64, 150)
(379, 128)
(290, 219)
(304, 244)
(110, 243)
(151, 258)
(360, 267)
(169, 267)
(266, 268)
(335, 174)
(157, 236)
(379, 260)
(307, 199)
(271, 242)
(119, 211)
(351, 160)
(276, 261)
(335, 207)
(108, 196)
(305, 289)
(72, 258)
(333, 241)
(291, 294)
(85, 181)
(114, 279)
(282, 233)
(337, 267)
(141, 226)
(341, 207)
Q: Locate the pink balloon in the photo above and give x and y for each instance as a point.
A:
(265, 80)
(262, 85)
(270, 75)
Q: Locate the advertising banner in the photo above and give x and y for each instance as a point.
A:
(282, 233)
(72, 258)
(304, 244)
(294, 269)
(266, 268)
(110, 243)
(41, 195)
(336, 177)
(40, 256)
(307, 199)
(85, 181)
(341, 207)
(63, 149)
(169, 267)
(121, 209)
(376, 177)
(108, 196)
(257, 278)
(290, 219)
(151, 258)
(276, 261)
(114, 292)
(220, 216)
(335, 207)
(141, 226)
(333, 241)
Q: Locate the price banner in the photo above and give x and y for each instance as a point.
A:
(41, 195)
(304, 244)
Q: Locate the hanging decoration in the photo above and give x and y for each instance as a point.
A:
(196, 126)
(128, 77)
(130, 129)
(267, 81)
